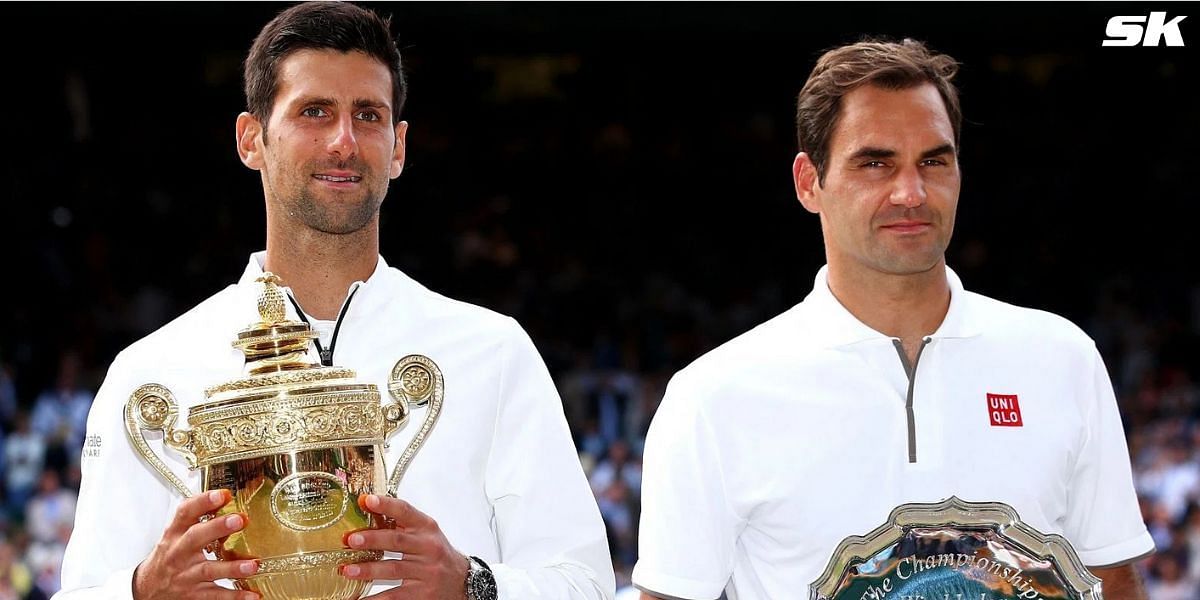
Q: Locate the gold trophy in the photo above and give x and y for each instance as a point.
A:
(295, 443)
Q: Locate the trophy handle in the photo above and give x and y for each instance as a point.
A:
(152, 407)
(416, 381)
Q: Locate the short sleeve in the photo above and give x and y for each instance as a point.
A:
(1103, 521)
(688, 526)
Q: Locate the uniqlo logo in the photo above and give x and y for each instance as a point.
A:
(1003, 410)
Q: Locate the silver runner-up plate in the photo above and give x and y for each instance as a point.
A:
(955, 550)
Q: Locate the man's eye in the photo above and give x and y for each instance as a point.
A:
(874, 164)
(313, 111)
(933, 162)
(368, 115)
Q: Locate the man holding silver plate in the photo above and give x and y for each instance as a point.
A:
(458, 480)
(893, 435)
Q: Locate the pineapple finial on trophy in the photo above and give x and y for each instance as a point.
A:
(271, 307)
(274, 343)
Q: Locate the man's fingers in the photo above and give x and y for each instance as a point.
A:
(382, 570)
(212, 570)
(400, 511)
(189, 511)
(200, 534)
(391, 540)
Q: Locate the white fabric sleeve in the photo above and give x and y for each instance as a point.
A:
(552, 540)
(1104, 523)
(689, 527)
(122, 503)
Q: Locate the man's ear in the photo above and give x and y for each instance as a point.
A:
(249, 141)
(398, 155)
(804, 175)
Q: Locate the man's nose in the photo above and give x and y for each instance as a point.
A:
(909, 188)
(342, 141)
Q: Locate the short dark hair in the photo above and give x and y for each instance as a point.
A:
(319, 25)
(890, 65)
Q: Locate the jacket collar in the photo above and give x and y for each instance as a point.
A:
(832, 325)
(254, 270)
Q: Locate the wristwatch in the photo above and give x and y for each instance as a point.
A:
(481, 584)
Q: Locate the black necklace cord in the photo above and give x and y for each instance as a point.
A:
(327, 353)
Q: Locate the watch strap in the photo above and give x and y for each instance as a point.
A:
(481, 583)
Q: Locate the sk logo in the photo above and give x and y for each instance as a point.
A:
(1003, 410)
(1127, 30)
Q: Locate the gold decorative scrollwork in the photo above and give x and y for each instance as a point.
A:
(311, 560)
(152, 407)
(284, 378)
(152, 412)
(415, 381)
(265, 427)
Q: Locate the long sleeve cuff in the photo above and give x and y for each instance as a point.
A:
(118, 586)
(566, 581)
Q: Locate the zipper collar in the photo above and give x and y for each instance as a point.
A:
(832, 326)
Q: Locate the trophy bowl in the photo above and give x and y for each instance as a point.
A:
(294, 443)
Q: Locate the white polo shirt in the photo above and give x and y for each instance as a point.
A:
(771, 449)
(499, 472)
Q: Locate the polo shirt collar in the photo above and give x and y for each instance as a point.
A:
(834, 326)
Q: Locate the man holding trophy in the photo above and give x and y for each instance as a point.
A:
(496, 504)
(984, 437)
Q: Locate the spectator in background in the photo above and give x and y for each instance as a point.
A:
(1158, 522)
(619, 509)
(591, 443)
(1174, 481)
(51, 510)
(45, 563)
(611, 399)
(1170, 581)
(49, 519)
(16, 583)
(618, 465)
(60, 413)
(24, 453)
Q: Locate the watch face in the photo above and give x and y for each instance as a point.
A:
(481, 585)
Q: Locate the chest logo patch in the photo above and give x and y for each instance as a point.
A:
(1004, 410)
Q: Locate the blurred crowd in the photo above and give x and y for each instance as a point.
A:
(41, 440)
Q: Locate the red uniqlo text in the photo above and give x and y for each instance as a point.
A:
(1003, 410)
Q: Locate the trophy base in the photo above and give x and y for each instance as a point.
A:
(309, 576)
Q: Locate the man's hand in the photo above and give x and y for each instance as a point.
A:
(430, 568)
(177, 568)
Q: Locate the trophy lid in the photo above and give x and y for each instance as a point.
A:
(276, 351)
(274, 343)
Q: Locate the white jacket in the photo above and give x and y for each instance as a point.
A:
(499, 472)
